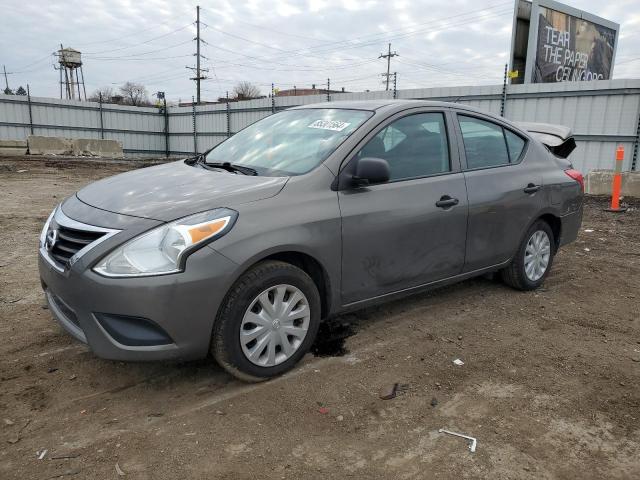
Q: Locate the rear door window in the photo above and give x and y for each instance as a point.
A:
(515, 144)
(484, 143)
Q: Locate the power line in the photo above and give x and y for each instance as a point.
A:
(133, 34)
(437, 68)
(22, 69)
(139, 54)
(141, 59)
(141, 43)
(340, 45)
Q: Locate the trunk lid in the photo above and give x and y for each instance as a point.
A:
(557, 138)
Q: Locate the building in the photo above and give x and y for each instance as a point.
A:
(294, 92)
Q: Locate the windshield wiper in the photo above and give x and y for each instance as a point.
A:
(196, 160)
(230, 167)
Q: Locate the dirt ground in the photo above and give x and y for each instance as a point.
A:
(549, 385)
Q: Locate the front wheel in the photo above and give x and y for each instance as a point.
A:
(268, 321)
(531, 265)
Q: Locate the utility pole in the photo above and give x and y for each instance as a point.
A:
(388, 56)
(197, 69)
(503, 100)
(6, 82)
(395, 85)
(198, 53)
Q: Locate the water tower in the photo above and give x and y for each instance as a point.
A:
(71, 75)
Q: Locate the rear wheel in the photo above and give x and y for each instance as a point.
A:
(268, 322)
(531, 265)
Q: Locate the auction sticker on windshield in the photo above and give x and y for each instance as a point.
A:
(334, 125)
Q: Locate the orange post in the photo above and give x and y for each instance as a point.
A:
(617, 182)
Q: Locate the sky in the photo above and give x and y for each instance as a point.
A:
(285, 42)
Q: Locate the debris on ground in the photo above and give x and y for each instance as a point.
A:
(434, 402)
(452, 341)
(388, 391)
(68, 473)
(64, 456)
(41, 453)
(323, 410)
(458, 362)
(472, 445)
(17, 436)
(119, 470)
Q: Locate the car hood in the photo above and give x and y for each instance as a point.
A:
(173, 190)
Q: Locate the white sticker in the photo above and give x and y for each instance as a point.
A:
(334, 125)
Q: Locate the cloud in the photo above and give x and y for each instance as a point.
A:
(458, 42)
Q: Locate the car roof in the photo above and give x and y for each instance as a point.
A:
(377, 104)
(389, 104)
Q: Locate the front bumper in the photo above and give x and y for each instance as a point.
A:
(144, 318)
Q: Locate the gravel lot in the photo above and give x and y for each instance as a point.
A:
(549, 385)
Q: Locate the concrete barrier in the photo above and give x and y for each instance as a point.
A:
(13, 147)
(98, 148)
(39, 145)
(598, 182)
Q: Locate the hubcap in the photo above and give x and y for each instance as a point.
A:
(275, 325)
(536, 255)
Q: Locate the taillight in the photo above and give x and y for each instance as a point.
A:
(577, 176)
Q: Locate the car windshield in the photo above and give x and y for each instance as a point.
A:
(291, 142)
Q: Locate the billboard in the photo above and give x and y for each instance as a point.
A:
(553, 42)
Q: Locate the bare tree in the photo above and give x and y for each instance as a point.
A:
(107, 95)
(245, 91)
(135, 94)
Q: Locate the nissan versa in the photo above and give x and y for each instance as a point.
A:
(242, 251)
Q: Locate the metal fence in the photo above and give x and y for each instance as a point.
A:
(602, 114)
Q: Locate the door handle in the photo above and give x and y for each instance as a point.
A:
(531, 188)
(446, 201)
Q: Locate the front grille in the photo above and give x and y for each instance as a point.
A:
(70, 241)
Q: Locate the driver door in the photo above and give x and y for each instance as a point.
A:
(408, 231)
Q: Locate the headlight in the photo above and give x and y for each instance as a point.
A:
(164, 249)
(45, 229)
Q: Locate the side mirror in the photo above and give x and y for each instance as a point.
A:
(371, 170)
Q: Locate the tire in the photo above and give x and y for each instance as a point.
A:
(262, 285)
(516, 275)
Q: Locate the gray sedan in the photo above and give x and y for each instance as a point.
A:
(241, 252)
